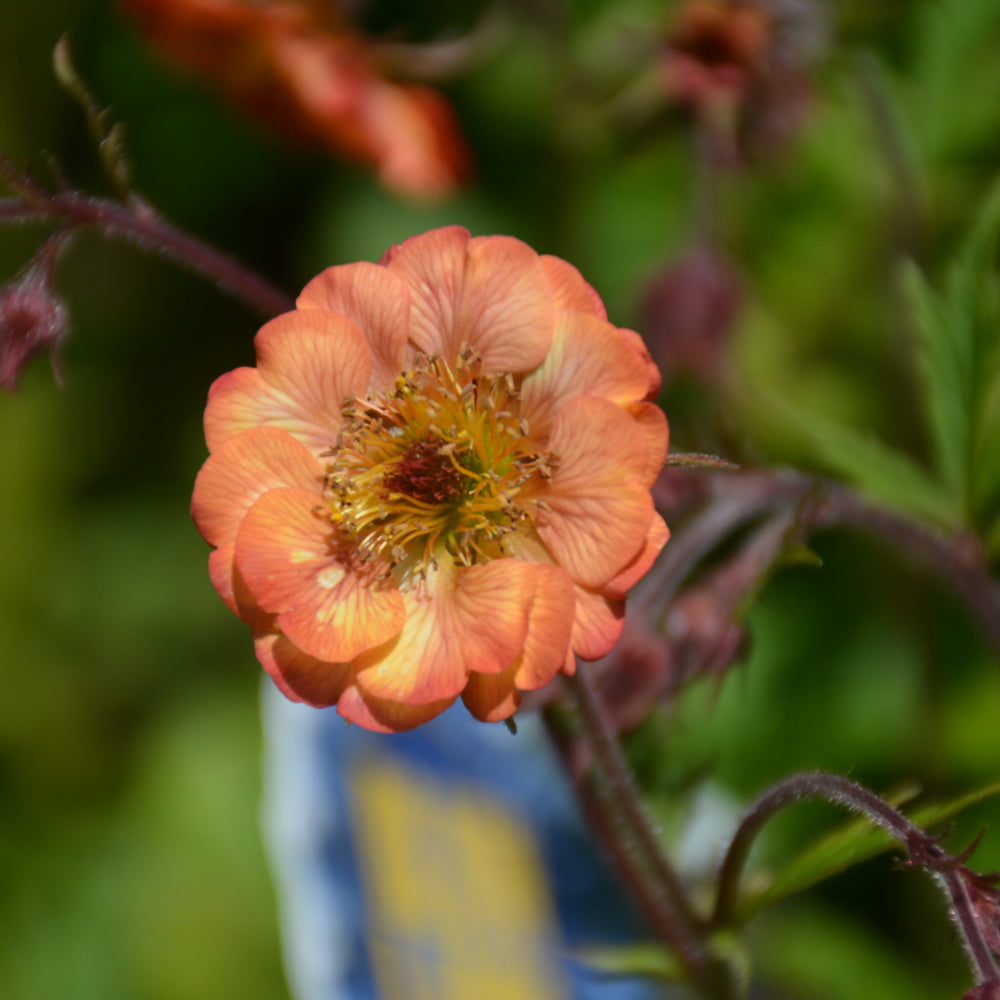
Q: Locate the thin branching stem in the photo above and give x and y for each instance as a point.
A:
(924, 850)
(142, 226)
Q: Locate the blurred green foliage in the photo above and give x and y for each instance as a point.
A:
(130, 863)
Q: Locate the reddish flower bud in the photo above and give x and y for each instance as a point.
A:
(689, 310)
(32, 320)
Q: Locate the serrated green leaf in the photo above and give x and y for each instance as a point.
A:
(850, 844)
(881, 471)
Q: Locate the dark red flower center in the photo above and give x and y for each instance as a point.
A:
(427, 475)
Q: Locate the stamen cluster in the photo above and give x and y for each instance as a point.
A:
(444, 458)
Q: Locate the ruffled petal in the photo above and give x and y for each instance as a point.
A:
(652, 369)
(383, 716)
(569, 289)
(240, 470)
(653, 422)
(433, 266)
(299, 676)
(233, 589)
(506, 309)
(377, 301)
(598, 624)
(492, 697)
(549, 628)
(297, 568)
(621, 584)
(598, 511)
(309, 363)
(463, 621)
(587, 357)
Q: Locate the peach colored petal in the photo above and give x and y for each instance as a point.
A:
(588, 357)
(549, 628)
(297, 567)
(492, 697)
(598, 512)
(299, 676)
(598, 624)
(383, 716)
(309, 363)
(506, 307)
(569, 289)
(243, 468)
(465, 620)
(233, 590)
(375, 299)
(433, 265)
(652, 369)
(653, 422)
(621, 584)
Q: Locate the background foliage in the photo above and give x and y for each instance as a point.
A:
(865, 346)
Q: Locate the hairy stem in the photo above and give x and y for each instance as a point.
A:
(923, 849)
(141, 225)
(616, 814)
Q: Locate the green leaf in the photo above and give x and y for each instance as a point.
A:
(850, 844)
(959, 340)
(875, 467)
(641, 959)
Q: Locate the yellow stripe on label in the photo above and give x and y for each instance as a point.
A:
(458, 903)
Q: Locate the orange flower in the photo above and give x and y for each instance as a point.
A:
(311, 79)
(436, 481)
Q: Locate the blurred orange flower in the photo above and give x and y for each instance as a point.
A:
(309, 77)
(436, 481)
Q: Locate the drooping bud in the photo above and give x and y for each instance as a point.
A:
(689, 310)
(32, 317)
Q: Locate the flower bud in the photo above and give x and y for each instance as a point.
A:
(689, 310)
(32, 320)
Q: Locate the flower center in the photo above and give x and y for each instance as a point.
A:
(441, 462)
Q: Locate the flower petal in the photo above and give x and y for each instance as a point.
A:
(383, 716)
(377, 301)
(297, 567)
(240, 470)
(598, 624)
(549, 628)
(569, 289)
(464, 620)
(506, 308)
(232, 588)
(653, 421)
(492, 697)
(598, 512)
(309, 362)
(433, 265)
(299, 676)
(624, 581)
(587, 357)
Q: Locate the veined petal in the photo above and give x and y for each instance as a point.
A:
(569, 289)
(309, 362)
(587, 357)
(298, 568)
(653, 422)
(624, 581)
(465, 620)
(549, 628)
(299, 676)
(377, 301)
(652, 369)
(598, 512)
(492, 697)
(232, 588)
(433, 266)
(506, 308)
(383, 716)
(240, 470)
(598, 624)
